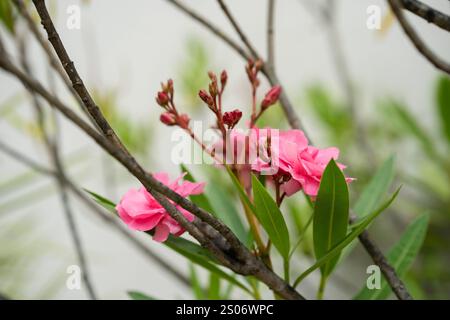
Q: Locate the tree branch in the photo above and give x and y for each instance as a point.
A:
(416, 40)
(427, 13)
(53, 60)
(53, 151)
(388, 271)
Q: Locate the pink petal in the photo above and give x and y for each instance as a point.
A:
(291, 187)
(162, 177)
(146, 222)
(161, 233)
(325, 155)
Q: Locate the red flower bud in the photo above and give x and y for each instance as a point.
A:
(271, 97)
(232, 118)
(223, 79)
(162, 98)
(206, 98)
(168, 119)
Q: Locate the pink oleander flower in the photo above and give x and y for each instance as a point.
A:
(140, 211)
(300, 164)
(282, 155)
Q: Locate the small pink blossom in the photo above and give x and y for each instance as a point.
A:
(140, 211)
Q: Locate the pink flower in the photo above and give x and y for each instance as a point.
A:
(304, 164)
(140, 211)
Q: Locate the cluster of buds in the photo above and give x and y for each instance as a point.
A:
(252, 69)
(170, 116)
(271, 97)
(212, 98)
(230, 119)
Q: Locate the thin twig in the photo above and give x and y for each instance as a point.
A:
(420, 45)
(238, 29)
(53, 60)
(271, 76)
(271, 35)
(53, 150)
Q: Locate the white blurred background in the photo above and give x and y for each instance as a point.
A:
(131, 46)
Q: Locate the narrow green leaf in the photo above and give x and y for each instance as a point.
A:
(214, 287)
(6, 15)
(347, 240)
(195, 283)
(376, 189)
(105, 203)
(400, 115)
(240, 190)
(401, 256)
(443, 104)
(330, 214)
(271, 218)
(136, 295)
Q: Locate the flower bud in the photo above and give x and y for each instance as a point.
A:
(232, 118)
(206, 98)
(223, 79)
(271, 97)
(168, 118)
(162, 98)
(213, 90)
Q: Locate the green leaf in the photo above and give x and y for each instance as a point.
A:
(376, 189)
(136, 295)
(443, 104)
(214, 287)
(336, 250)
(402, 118)
(195, 283)
(401, 256)
(105, 203)
(240, 189)
(6, 15)
(271, 218)
(330, 214)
